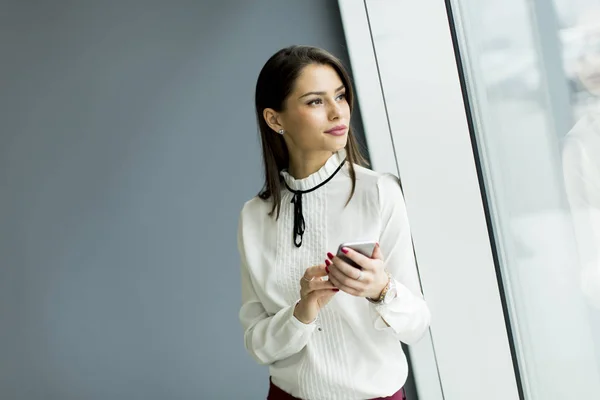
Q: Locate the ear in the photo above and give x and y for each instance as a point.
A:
(273, 119)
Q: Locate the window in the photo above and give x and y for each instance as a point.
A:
(490, 113)
(532, 74)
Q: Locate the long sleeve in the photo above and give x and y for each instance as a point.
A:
(407, 315)
(268, 338)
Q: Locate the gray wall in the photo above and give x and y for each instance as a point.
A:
(127, 148)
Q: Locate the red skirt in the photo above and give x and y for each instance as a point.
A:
(275, 393)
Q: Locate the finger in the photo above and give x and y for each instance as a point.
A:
(326, 294)
(362, 260)
(318, 293)
(344, 282)
(320, 285)
(315, 285)
(344, 288)
(343, 267)
(323, 293)
(315, 272)
(377, 255)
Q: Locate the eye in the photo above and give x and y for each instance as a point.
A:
(315, 102)
(342, 96)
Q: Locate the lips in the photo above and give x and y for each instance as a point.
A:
(337, 130)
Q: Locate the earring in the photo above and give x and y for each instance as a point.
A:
(281, 132)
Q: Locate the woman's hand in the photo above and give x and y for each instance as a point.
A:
(368, 282)
(315, 293)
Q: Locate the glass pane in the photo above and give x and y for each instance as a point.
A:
(532, 70)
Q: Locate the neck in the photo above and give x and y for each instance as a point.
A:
(302, 166)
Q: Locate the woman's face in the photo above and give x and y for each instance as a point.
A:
(589, 73)
(316, 114)
(589, 64)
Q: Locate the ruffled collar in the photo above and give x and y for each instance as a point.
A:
(299, 187)
(318, 177)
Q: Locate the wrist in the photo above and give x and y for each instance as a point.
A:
(382, 289)
(301, 314)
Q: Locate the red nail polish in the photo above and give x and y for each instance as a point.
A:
(326, 269)
(330, 256)
(327, 262)
(336, 290)
(344, 250)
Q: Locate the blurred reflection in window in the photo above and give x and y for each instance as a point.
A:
(581, 155)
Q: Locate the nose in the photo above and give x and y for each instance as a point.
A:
(335, 111)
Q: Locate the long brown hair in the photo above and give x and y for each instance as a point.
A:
(275, 83)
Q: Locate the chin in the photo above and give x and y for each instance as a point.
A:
(335, 143)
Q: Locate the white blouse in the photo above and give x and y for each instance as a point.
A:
(348, 352)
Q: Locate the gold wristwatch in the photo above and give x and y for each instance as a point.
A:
(388, 293)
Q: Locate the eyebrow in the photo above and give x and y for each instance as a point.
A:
(320, 93)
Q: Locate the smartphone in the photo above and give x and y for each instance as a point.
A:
(364, 248)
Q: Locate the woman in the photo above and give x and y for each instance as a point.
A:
(327, 330)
